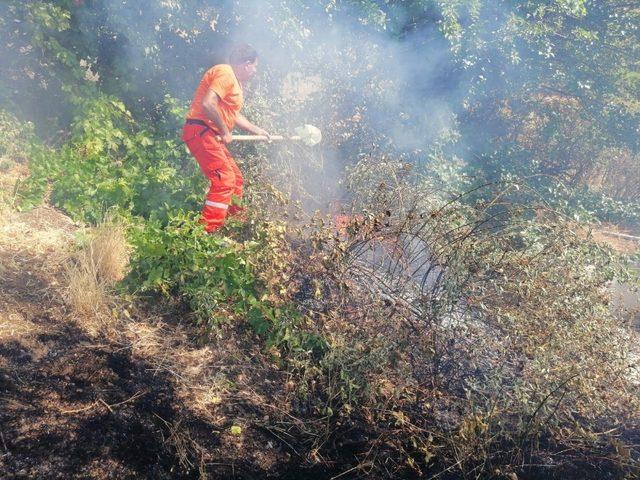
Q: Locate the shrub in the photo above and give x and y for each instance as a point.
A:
(110, 162)
(209, 272)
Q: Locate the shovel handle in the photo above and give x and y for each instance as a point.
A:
(252, 138)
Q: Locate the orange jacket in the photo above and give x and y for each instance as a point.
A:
(224, 83)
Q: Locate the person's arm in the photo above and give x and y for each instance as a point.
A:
(247, 126)
(210, 106)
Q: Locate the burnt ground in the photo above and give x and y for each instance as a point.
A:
(128, 392)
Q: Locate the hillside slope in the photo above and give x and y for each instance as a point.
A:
(119, 394)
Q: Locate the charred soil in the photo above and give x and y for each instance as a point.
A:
(123, 394)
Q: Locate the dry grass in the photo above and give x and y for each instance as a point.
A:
(33, 250)
(5, 216)
(11, 174)
(14, 324)
(109, 251)
(87, 294)
(43, 232)
(196, 369)
(96, 268)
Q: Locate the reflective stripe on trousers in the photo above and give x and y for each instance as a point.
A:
(220, 168)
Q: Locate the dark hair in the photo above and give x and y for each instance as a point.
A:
(242, 54)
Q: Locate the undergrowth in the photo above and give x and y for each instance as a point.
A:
(211, 273)
(109, 161)
(470, 340)
(431, 334)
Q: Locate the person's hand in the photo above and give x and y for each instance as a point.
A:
(226, 138)
(264, 133)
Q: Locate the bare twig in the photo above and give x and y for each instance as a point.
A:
(106, 405)
(622, 235)
(4, 444)
(130, 399)
(78, 410)
(357, 467)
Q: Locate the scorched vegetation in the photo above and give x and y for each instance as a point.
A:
(419, 296)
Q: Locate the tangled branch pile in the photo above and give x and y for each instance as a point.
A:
(465, 337)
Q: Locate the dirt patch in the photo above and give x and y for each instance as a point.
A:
(69, 404)
(132, 394)
(622, 241)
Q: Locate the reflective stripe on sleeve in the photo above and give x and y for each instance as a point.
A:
(216, 204)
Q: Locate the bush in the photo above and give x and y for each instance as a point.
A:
(110, 162)
(220, 279)
(210, 272)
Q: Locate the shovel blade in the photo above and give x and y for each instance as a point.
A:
(308, 134)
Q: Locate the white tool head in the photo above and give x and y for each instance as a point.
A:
(309, 134)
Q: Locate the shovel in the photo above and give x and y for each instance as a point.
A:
(307, 134)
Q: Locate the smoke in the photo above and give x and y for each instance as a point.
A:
(335, 66)
(366, 89)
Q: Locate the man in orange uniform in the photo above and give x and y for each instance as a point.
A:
(214, 111)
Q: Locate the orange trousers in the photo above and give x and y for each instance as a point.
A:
(220, 168)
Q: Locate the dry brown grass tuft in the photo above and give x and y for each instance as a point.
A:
(87, 294)
(96, 268)
(110, 252)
